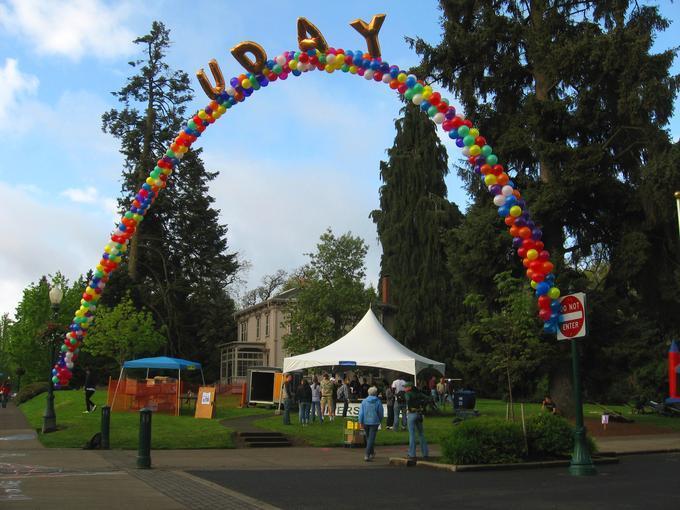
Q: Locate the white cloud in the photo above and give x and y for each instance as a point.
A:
(82, 196)
(276, 211)
(70, 28)
(39, 239)
(13, 86)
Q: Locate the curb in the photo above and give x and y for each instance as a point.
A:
(454, 468)
(642, 452)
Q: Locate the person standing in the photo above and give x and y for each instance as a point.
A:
(316, 399)
(5, 392)
(389, 399)
(288, 397)
(327, 392)
(304, 398)
(441, 392)
(343, 396)
(399, 403)
(370, 415)
(90, 387)
(415, 404)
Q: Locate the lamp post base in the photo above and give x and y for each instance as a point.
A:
(50, 417)
(49, 425)
(581, 463)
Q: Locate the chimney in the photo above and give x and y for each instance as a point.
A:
(385, 289)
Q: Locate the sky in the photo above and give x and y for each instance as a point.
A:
(294, 159)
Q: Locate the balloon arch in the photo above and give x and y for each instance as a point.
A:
(315, 55)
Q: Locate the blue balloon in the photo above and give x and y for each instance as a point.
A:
(511, 200)
(555, 306)
(503, 211)
(549, 328)
(542, 289)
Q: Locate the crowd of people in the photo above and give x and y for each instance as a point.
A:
(320, 399)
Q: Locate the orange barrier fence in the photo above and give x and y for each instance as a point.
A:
(159, 394)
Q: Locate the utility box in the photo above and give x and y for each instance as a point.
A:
(264, 385)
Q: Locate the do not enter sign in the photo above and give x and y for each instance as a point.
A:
(572, 316)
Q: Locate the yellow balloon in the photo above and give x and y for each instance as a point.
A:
(554, 293)
(474, 132)
(532, 254)
(515, 210)
(475, 150)
(490, 179)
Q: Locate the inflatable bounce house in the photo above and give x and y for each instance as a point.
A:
(674, 374)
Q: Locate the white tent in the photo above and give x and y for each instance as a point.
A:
(368, 345)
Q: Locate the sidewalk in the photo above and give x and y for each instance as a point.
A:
(32, 476)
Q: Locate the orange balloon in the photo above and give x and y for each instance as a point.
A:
(509, 221)
(525, 232)
(514, 231)
(502, 179)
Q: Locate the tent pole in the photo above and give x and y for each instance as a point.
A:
(147, 373)
(179, 389)
(113, 400)
(202, 376)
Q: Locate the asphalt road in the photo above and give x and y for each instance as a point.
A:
(638, 482)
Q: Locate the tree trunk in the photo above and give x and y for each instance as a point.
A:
(512, 408)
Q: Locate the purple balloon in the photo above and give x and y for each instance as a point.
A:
(520, 222)
(536, 234)
(495, 189)
(516, 242)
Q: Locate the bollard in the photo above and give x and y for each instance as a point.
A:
(144, 449)
(106, 427)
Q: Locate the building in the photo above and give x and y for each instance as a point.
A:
(259, 340)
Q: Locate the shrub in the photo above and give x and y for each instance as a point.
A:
(29, 391)
(484, 441)
(549, 435)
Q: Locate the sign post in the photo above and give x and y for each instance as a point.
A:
(572, 326)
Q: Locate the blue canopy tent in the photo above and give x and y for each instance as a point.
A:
(160, 363)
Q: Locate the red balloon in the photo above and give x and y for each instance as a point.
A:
(543, 255)
(544, 301)
(548, 267)
(522, 252)
(528, 244)
(544, 314)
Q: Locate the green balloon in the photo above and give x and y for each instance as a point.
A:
(463, 131)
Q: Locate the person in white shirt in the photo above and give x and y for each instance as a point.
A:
(399, 403)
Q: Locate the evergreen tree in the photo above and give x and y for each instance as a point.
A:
(413, 216)
(178, 265)
(575, 103)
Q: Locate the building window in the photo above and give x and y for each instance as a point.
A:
(257, 327)
(266, 324)
(244, 331)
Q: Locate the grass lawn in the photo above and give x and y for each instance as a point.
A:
(185, 431)
(168, 432)
(436, 427)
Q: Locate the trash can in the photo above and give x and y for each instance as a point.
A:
(464, 399)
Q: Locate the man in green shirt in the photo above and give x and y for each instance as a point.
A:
(327, 390)
(415, 405)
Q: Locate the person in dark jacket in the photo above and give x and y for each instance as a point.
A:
(389, 400)
(90, 387)
(343, 396)
(304, 397)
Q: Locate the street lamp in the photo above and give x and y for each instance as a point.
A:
(49, 418)
(677, 202)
